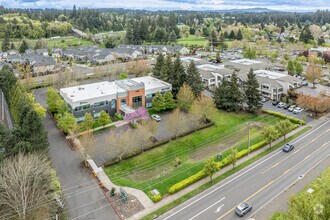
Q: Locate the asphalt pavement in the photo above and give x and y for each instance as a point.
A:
(259, 183)
(83, 198)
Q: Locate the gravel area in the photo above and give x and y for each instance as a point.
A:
(126, 209)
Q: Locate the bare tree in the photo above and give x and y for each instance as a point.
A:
(87, 142)
(141, 136)
(203, 107)
(153, 126)
(314, 72)
(177, 122)
(317, 104)
(25, 183)
(120, 145)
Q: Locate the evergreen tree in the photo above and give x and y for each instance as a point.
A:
(221, 94)
(12, 46)
(194, 79)
(74, 12)
(235, 94)
(232, 35)
(291, 67)
(144, 29)
(239, 35)
(214, 41)
(251, 92)
(166, 73)
(282, 29)
(226, 35)
(129, 34)
(179, 76)
(223, 44)
(169, 101)
(158, 66)
(33, 131)
(5, 43)
(306, 35)
(172, 37)
(158, 103)
(24, 46)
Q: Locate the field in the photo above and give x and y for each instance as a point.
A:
(193, 40)
(159, 169)
(68, 42)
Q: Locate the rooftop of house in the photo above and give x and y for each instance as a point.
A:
(246, 62)
(269, 74)
(90, 91)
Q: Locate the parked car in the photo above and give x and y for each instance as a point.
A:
(291, 108)
(156, 117)
(263, 99)
(287, 148)
(286, 106)
(242, 209)
(275, 102)
(304, 83)
(297, 110)
(281, 104)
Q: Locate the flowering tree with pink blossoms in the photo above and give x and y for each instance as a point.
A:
(139, 114)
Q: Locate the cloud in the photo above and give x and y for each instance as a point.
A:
(172, 4)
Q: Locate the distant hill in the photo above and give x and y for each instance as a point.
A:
(251, 10)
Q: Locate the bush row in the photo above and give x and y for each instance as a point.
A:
(291, 119)
(200, 175)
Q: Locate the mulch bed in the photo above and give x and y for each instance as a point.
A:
(126, 209)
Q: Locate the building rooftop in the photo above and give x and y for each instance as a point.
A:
(151, 82)
(210, 67)
(269, 74)
(246, 62)
(91, 91)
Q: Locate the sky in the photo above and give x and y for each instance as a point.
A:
(283, 5)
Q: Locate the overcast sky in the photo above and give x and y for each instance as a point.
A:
(287, 5)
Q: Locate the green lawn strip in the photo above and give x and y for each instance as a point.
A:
(221, 177)
(119, 175)
(68, 42)
(193, 40)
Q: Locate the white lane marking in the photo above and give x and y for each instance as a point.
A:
(253, 167)
(206, 209)
(219, 208)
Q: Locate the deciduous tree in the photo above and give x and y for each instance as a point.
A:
(283, 127)
(177, 122)
(232, 157)
(104, 118)
(158, 102)
(210, 168)
(66, 122)
(269, 134)
(185, 98)
(203, 107)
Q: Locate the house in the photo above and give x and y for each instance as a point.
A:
(57, 52)
(122, 96)
(42, 65)
(43, 52)
(13, 58)
(247, 64)
(213, 74)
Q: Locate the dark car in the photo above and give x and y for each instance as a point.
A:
(274, 102)
(286, 106)
(288, 148)
(242, 209)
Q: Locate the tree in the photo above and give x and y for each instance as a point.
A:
(5, 43)
(214, 41)
(12, 46)
(203, 107)
(232, 157)
(120, 145)
(33, 131)
(88, 122)
(87, 142)
(123, 76)
(221, 94)
(239, 35)
(291, 67)
(52, 98)
(169, 101)
(104, 118)
(194, 79)
(313, 72)
(269, 134)
(232, 35)
(273, 57)
(283, 127)
(66, 122)
(235, 94)
(251, 92)
(177, 122)
(185, 97)
(158, 102)
(179, 76)
(250, 53)
(24, 46)
(306, 35)
(316, 104)
(158, 66)
(299, 68)
(40, 110)
(210, 168)
(25, 183)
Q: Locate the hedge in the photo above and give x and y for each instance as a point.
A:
(119, 116)
(291, 119)
(200, 175)
(156, 198)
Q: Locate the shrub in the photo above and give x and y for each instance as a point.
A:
(242, 153)
(257, 146)
(133, 125)
(119, 116)
(186, 182)
(112, 192)
(292, 119)
(156, 198)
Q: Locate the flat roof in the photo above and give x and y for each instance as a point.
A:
(189, 59)
(246, 62)
(269, 74)
(151, 82)
(91, 91)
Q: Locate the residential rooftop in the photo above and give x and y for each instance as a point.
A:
(269, 74)
(246, 62)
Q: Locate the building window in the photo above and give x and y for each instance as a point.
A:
(264, 87)
(137, 101)
(149, 96)
(77, 109)
(96, 115)
(99, 104)
(113, 103)
(149, 104)
(123, 102)
(86, 107)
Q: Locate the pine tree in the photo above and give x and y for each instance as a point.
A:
(194, 79)
(12, 46)
(74, 12)
(179, 76)
(239, 35)
(169, 101)
(129, 34)
(214, 41)
(232, 35)
(172, 37)
(166, 73)
(158, 66)
(5, 44)
(33, 131)
(235, 94)
(251, 92)
(221, 94)
(24, 46)
(158, 103)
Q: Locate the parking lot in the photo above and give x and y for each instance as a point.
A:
(302, 115)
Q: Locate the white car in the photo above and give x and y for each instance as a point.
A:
(297, 110)
(281, 104)
(291, 108)
(156, 117)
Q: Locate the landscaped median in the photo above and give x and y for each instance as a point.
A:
(226, 174)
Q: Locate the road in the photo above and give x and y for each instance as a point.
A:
(82, 196)
(260, 182)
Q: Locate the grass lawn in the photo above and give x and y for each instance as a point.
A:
(68, 42)
(193, 40)
(156, 169)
